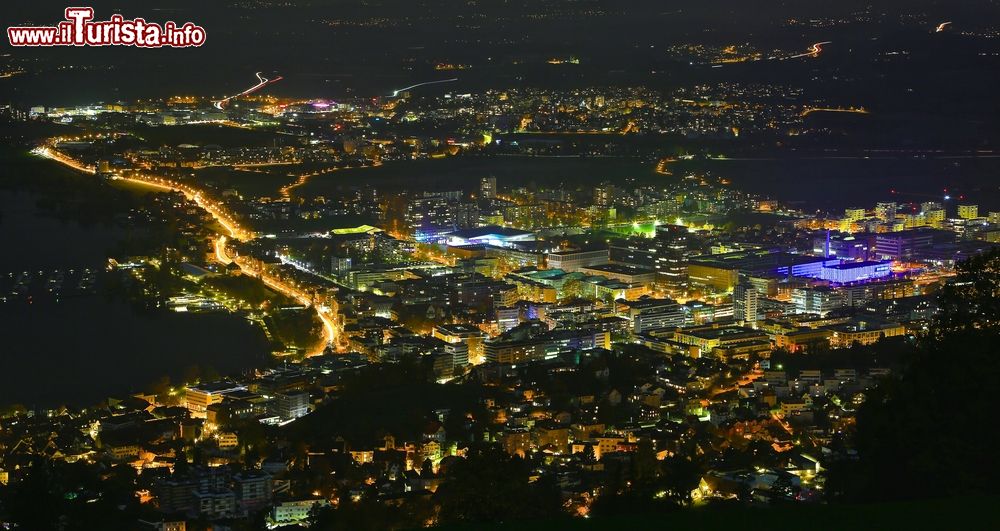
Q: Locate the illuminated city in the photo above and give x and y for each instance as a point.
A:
(547, 264)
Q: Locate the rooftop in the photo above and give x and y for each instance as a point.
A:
(491, 230)
(216, 387)
(578, 251)
(753, 260)
(620, 269)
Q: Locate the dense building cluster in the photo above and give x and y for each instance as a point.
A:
(597, 350)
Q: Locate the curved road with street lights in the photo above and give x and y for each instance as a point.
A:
(236, 232)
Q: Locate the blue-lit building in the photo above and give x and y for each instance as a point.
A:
(809, 267)
(843, 246)
(856, 271)
(722, 271)
(490, 235)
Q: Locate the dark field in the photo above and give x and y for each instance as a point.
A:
(249, 183)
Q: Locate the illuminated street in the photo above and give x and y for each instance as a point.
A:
(235, 231)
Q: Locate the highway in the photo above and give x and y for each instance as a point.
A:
(263, 82)
(404, 89)
(221, 255)
(222, 217)
(324, 313)
(236, 232)
(806, 111)
(813, 51)
(67, 161)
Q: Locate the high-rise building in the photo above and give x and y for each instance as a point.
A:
(459, 353)
(430, 216)
(665, 253)
(902, 245)
(912, 221)
(935, 217)
(340, 264)
(571, 261)
(820, 300)
(854, 214)
(654, 314)
(968, 211)
(466, 215)
(838, 245)
(886, 211)
(462, 341)
(930, 205)
(253, 490)
(488, 187)
(508, 318)
(292, 405)
(745, 302)
(199, 397)
(604, 195)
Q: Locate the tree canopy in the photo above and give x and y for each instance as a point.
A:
(928, 433)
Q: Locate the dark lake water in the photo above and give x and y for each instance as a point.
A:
(832, 183)
(810, 182)
(80, 349)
